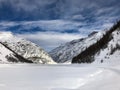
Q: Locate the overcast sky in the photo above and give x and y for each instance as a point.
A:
(50, 23)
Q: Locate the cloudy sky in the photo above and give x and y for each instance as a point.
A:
(50, 23)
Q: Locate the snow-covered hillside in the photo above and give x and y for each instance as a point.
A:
(105, 50)
(66, 52)
(8, 56)
(25, 48)
(112, 52)
(100, 47)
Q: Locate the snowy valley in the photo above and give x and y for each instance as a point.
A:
(98, 69)
(59, 44)
(98, 47)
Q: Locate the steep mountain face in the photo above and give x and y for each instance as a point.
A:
(100, 47)
(26, 49)
(107, 49)
(66, 52)
(9, 56)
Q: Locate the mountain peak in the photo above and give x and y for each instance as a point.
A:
(5, 35)
(24, 48)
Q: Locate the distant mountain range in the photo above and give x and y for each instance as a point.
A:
(99, 47)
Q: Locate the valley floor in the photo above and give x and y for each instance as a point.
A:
(59, 77)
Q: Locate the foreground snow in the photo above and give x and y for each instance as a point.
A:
(59, 77)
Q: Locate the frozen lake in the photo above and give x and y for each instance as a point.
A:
(58, 77)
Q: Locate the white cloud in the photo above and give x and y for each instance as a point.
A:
(78, 17)
(54, 25)
(8, 24)
(104, 10)
(50, 40)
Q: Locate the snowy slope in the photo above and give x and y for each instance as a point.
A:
(59, 77)
(8, 56)
(4, 52)
(25, 48)
(100, 47)
(105, 50)
(111, 54)
(66, 52)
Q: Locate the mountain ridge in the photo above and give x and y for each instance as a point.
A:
(67, 51)
(87, 48)
(25, 49)
(88, 55)
(10, 56)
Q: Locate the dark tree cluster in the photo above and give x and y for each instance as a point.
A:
(114, 49)
(87, 56)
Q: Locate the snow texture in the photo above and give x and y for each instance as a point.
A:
(59, 77)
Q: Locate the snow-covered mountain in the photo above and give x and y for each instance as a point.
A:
(66, 52)
(26, 49)
(79, 49)
(9, 56)
(105, 50)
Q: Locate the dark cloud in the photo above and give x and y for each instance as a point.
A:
(57, 9)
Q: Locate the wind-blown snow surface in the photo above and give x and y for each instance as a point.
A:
(59, 77)
(25, 48)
